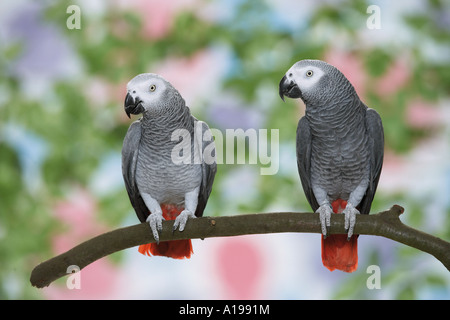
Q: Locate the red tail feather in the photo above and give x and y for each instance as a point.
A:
(177, 249)
(337, 251)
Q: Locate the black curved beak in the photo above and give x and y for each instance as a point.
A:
(289, 89)
(132, 105)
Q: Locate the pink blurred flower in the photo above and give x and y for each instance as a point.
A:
(77, 215)
(240, 267)
(97, 281)
(351, 66)
(397, 174)
(206, 67)
(419, 114)
(101, 92)
(157, 16)
(420, 174)
(98, 91)
(396, 77)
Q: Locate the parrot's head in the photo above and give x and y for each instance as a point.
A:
(313, 81)
(149, 93)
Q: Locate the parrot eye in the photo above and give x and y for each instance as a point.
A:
(309, 73)
(152, 88)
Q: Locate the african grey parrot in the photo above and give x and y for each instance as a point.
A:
(160, 186)
(340, 147)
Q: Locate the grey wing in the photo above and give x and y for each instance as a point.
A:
(130, 152)
(304, 160)
(205, 140)
(375, 131)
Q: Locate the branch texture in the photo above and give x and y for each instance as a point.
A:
(386, 224)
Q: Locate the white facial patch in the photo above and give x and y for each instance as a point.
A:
(148, 87)
(305, 77)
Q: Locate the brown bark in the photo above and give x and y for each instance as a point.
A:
(386, 224)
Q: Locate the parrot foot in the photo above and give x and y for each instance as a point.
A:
(350, 218)
(325, 212)
(155, 222)
(181, 220)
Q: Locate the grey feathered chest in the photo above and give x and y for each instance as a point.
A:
(156, 173)
(339, 148)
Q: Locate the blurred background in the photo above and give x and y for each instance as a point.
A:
(62, 123)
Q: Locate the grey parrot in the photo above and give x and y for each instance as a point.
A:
(340, 147)
(161, 187)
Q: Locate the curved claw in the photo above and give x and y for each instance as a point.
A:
(181, 220)
(155, 222)
(325, 212)
(350, 213)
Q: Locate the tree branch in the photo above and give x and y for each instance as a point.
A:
(386, 224)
